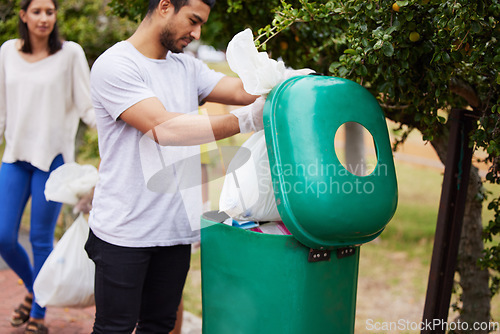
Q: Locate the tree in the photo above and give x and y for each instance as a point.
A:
(419, 58)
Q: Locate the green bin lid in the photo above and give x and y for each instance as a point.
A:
(321, 203)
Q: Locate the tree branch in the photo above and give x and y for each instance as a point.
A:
(464, 90)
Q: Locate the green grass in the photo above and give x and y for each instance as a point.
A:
(411, 230)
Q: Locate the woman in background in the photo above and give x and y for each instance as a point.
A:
(44, 91)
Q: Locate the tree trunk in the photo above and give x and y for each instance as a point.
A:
(474, 282)
(355, 148)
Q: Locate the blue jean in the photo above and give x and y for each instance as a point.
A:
(19, 181)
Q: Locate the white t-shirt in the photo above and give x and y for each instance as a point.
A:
(41, 104)
(139, 201)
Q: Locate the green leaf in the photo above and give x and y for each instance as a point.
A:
(343, 71)
(363, 71)
(443, 33)
(391, 30)
(334, 66)
(350, 51)
(387, 49)
(384, 88)
(378, 45)
(445, 56)
(475, 27)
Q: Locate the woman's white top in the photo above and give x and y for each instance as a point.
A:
(41, 104)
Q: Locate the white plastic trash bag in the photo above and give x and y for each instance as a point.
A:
(247, 192)
(258, 72)
(66, 279)
(69, 182)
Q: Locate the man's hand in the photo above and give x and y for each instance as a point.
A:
(250, 116)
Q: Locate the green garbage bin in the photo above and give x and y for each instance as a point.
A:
(305, 282)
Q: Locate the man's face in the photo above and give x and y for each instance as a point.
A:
(184, 26)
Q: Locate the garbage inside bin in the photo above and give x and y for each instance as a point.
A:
(272, 228)
(247, 192)
(268, 227)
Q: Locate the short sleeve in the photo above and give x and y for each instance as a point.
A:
(207, 79)
(117, 84)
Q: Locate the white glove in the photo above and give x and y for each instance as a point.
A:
(250, 116)
(289, 72)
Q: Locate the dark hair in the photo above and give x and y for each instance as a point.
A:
(55, 43)
(178, 4)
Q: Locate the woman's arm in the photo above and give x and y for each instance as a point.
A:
(3, 97)
(81, 87)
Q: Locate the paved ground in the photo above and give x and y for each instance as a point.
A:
(59, 320)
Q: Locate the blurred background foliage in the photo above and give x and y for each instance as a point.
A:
(86, 22)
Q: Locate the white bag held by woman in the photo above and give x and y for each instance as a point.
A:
(68, 183)
(67, 276)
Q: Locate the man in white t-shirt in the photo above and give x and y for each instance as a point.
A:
(146, 95)
(147, 202)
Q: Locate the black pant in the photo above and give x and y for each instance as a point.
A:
(137, 286)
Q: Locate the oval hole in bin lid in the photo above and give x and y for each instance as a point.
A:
(355, 149)
(320, 202)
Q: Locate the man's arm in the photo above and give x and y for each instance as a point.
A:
(170, 128)
(229, 90)
(176, 129)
